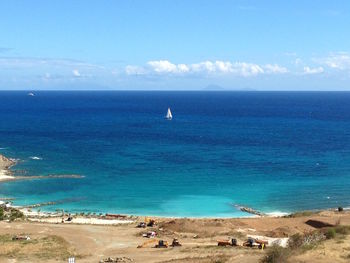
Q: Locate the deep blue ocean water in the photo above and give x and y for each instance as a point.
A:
(273, 151)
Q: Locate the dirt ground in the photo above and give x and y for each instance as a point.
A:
(91, 243)
(328, 252)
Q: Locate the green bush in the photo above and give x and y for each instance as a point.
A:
(2, 216)
(14, 214)
(344, 230)
(10, 214)
(330, 233)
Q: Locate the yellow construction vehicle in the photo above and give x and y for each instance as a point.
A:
(158, 244)
(148, 243)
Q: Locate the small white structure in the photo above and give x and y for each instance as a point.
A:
(169, 116)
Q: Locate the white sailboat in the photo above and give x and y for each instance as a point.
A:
(31, 94)
(169, 116)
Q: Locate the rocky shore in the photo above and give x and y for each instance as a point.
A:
(7, 175)
(5, 165)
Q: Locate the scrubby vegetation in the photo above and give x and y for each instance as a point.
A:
(337, 231)
(46, 247)
(10, 214)
(330, 233)
(302, 214)
(299, 243)
(277, 254)
(2, 214)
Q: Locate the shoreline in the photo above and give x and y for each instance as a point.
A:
(5, 171)
(97, 237)
(6, 175)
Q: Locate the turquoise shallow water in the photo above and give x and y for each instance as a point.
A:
(273, 151)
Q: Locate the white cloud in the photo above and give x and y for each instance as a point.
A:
(76, 73)
(247, 69)
(183, 68)
(337, 61)
(162, 66)
(269, 68)
(223, 66)
(165, 66)
(227, 67)
(206, 67)
(308, 70)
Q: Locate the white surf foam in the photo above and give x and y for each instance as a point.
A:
(277, 214)
(35, 158)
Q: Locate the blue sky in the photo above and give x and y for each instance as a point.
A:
(164, 44)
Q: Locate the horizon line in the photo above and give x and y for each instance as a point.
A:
(169, 90)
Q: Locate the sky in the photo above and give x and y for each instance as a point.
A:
(175, 45)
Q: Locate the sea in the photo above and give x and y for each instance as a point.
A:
(276, 152)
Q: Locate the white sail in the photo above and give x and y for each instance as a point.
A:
(169, 116)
